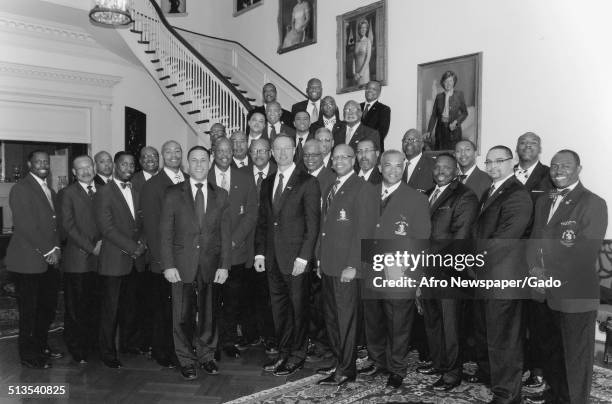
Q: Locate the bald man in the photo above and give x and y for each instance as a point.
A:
(275, 125)
(529, 170)
(326, 138)
(312, 104)
(419, 168)
(268, 95)
(376, 115)
(355, 131)
(104, 168)
(149, 162)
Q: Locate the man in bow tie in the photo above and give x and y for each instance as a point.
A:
(529, 170)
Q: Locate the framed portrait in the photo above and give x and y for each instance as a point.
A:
(174, 8)
(242, 6)
(448, 104)
(362, 47)
(297, 24)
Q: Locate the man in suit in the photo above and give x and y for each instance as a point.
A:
(32, 256)
(343, 225)
(469, 174)
(355, 131)
(529, 171)
(324, 136)
(268, 95)
(256, 127)
(376, 115)
(312, 105)
(419, 167)
(119, 220)
(453, 208)
(505, 216)
(329, 118)
(196, 249)
(80, 262)
(160, 292)
(565, 242)
(149, 161)
(217, 130)
(104, 168)
(313, 161)
(287, 229)
(241, 149)
(302, 134)
(404, 215)
(367, 157)
(275, 126)
(243, 215)
(257, 324)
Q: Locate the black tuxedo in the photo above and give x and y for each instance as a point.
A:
(504, 219)
(36, 282)
(479, 182)
(538, 183)
(567, 248)
(285, 231)
(422, 175)
(453, 214)
(196, 251)
(379, 118)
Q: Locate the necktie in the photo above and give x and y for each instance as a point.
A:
(315, 113)
(272, 132)
(556, 202)
(200, 207)
(408, 173)
(126, 185)
(366, 110)
(349, 134)
(279, 190)
(90, 191)
(299, 149)
(242, 163)
(330, 196)
(47, 192)
(491, 191)
(462, 178)
(224, 183)
(384, 200)
(178, 178)
(259, 180)
(521, 175)
(434, 196)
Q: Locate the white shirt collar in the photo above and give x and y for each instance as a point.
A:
(265, 170)
(499, 183)
(105, 178)
(440, 188)
(40, 181)
(219, 177)
(366, 175)
(415, 160)
(468, 172)
(194, 189)
(344, 178)
(119, 182)
(529, 170)
(84, 186)
(147, 176)
(172, 175)
(570, 187)
(286, 175)
(371, 104)
(316, 172)
(244, 160)
(354, 128)
(390, 189)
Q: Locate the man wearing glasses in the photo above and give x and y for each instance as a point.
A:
(505, 215)
(287, 229)
(419, 168)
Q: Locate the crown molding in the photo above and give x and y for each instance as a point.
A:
(52, 74)
(45, 29)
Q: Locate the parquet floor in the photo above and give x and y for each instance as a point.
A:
(141, 380)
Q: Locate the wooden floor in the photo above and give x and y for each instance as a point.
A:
(141, 380)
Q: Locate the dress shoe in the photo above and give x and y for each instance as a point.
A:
(232, 351)
(270, 348)
(132, 351)
(50, 353)
(36, 363)
(477, 377)
(428, 370)
(274, 364)
(256, 341)
(289, 368)
(442, 385)
(394, 381)
(165, 362)
(424, 363)
(189, 372)
(326, 370)
(538, 399)
(333, 380)
(313, 357)
(210, 367)
(112, 363)
(534, 382)
(371, 370)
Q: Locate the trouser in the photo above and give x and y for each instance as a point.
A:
(570, 350)
(162, 341)
(340, 308)
(538, 323)
(120, 307)
(442, 317)
(289, 297)
(256, 320)
(195, 315)
(233, 296)
(80, 327)
(388, 326)
(36, 301)
(317, 328)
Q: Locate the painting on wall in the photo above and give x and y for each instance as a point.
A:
(174, 8)
(135, 133)
(242, 6)
(362, 47)
(448, 103)
(297, 24)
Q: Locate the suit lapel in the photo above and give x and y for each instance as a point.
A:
(115, 189)
(498, 192)
(188, 200)
(443, 196)
(211, 205)
(567, 205)
(41, 194)
(290, 184)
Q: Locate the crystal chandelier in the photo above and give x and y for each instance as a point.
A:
(111, 12)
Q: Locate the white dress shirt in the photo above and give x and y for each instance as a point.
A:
(286, 175)
(241, 163)
(47, 192)
(176, 178)
(329, 123)
(522, 174)
(366, 176)
(352, 133)
(85, 185)
(389, 190)
(147, 176)
(127, 194)
(413, 163)
(194, 189)
(264, 170)
(499, 183)
(441, 189)
(310, 107)
(219, 175)
(558, 200)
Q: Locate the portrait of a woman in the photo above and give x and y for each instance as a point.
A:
(449, 111)
(363, 53)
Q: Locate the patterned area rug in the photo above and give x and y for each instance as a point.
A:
(413, 391)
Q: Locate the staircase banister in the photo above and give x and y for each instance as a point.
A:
(249, 52)
(201, 58)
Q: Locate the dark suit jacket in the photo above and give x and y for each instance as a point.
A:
(325, 178)
(362, 133)
(422, 175)
(289, 230)
(286, 117)
(479, 182)
(344, 225)
(379, 118)
(138, 181)
(568, 247)
(79, 226)
(299, 106)
(184, 244)
(36, 227)
(375, 177)
(453, 213)
(120, 230)
(539, 182)
(99, 181)
(504, 219)
(250, 162)
(242, 211)
(151, 200)
(286, 129)
(298, 157)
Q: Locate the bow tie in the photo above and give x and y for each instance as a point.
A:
(559, 193)
(126, 184)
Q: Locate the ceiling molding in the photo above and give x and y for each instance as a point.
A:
(47, 73)
(45, 29)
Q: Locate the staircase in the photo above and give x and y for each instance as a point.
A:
(199, 92)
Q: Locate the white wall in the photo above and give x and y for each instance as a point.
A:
(545, 64)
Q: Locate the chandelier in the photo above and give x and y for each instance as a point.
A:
(111, 12)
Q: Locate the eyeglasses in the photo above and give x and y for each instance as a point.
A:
(364, 151)
(239, 141)
(284, 149)
(311, 155)
(497, 162)
(341, 158)
(260, 152)
(411, 140)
